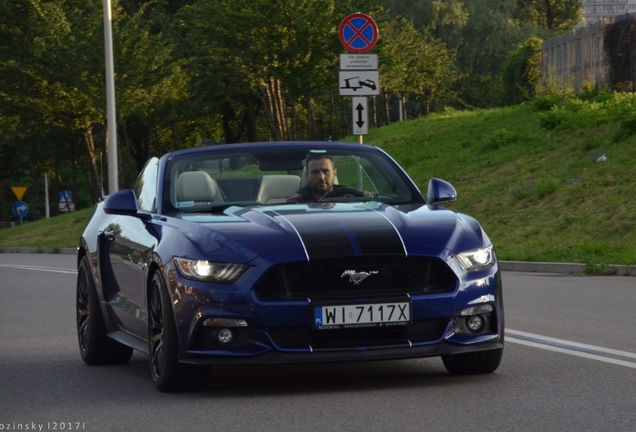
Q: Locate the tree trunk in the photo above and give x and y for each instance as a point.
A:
(312, 129)
(403, 99)
(374, 104)
(250, 115)
(95, 186)
(293, 130)
(387, 108)
(3, 207)
(276, 109)
(549, 15)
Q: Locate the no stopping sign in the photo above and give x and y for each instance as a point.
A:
(358, 33)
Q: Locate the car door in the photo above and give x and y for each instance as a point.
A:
(130, 241)
(129, 255)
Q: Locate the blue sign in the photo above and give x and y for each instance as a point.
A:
(66, 197)
(20, 209)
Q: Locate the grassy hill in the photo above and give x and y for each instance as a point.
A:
(531, 174)
(58, 232)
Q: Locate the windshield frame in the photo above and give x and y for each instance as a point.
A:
(244, 166)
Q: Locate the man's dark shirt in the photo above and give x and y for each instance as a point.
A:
(305, 196)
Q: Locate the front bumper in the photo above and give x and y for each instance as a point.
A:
(280, 332)
(336, 356)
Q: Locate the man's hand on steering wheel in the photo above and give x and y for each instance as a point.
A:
(343, 192)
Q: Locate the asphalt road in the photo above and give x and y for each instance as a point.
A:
(569, 365)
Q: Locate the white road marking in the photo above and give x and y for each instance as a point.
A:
(39, 268)
(563, 346)
(533, 340)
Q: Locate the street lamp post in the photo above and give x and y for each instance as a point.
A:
(113, 174)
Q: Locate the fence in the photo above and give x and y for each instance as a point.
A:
(577, 57)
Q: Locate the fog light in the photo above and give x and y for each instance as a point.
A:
(475, 324)
(224, 322)
(225, 336)
(476, 310)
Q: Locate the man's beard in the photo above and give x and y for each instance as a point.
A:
(322, 186)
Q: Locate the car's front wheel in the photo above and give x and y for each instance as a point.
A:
(479, 362)
(167, 372)
(95, 346)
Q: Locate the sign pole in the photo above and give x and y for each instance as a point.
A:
(359, 75)
(47, 209)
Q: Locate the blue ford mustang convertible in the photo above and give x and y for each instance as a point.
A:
(295, 252)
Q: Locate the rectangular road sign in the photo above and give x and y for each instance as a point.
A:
(358, 61)
(360, 116)
(359, 83)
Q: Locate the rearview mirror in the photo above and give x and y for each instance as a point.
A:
(123, 202)
(440, 191)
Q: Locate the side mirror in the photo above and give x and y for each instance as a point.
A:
(440, 192)
(123, 202)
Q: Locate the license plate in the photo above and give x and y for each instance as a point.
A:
(362, 315)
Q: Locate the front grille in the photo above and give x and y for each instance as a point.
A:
(323, 279)
(356, 338)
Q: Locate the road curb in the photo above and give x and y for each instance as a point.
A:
(567, 268)
(65, 251)
(513, 266)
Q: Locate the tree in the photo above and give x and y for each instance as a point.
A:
(275, 56)
(482, 33)
(152, 87)
(414, 64)
(521, 73)
(619, 45)
(559, 16)
(490, 35)
(436, 16)
(51, 71)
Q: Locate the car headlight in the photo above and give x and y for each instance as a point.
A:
(477, 259)
(204, 270)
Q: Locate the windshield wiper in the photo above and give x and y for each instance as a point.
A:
(217, 208)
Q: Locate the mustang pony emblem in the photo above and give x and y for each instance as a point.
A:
(357, 277)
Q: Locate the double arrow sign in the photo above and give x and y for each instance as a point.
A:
(359, 77)
(360, 116)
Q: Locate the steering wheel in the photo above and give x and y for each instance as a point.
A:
(342, 191)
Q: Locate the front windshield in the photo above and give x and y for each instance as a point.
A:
(207, 180)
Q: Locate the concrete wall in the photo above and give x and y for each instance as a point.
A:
(577, 57)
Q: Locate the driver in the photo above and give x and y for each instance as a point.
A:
(321, 174)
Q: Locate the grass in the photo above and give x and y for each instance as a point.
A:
(531, 175)
(528, 173)
(56, 233)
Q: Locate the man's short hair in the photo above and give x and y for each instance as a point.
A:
(318, 156)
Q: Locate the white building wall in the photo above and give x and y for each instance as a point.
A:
(601, 10)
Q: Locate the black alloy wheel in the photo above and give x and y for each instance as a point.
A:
(167, 372)
(95, 346)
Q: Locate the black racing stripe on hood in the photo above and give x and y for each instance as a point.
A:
(376, 235)
(327, 234)
(322, 236)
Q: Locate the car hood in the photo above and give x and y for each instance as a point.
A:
(305, 232)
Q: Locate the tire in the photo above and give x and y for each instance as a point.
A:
(167, 372)
(479, 362)
(96, 348)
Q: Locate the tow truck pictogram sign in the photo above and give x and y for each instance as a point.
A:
(359, 83)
